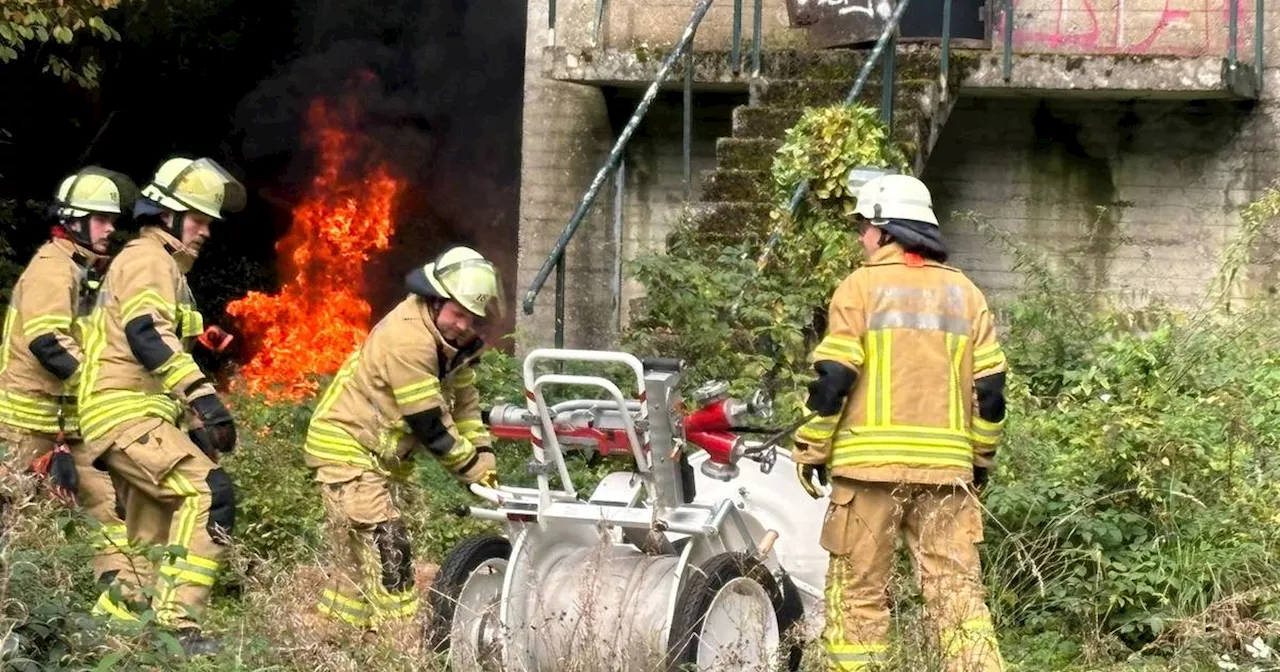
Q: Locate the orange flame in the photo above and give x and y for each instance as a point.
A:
(319, 316)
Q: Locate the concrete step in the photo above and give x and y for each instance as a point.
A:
(736, 185)
(728, 220)
(764, 122)
(807, 92)
(746, 153)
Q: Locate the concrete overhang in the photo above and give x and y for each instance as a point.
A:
(1116, 77)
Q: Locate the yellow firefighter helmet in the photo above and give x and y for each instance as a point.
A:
(202, 185)
(93, 190)
(464, 275)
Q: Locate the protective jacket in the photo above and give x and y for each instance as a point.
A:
(404, 370)
(917, 335)
(138, 365)
(40, 356)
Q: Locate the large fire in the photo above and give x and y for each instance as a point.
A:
(319, 315)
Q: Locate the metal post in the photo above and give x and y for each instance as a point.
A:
(756, 35)
(688, 125)
(946, 38)
(551, 23)
(619, 189)
(886, 84)
(1233, 21)
(595, 32)
(735, 58)
(1008, 40)
(1258, 13)
(615, 154)
(560, 302)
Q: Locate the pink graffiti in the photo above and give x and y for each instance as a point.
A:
(1179, 28)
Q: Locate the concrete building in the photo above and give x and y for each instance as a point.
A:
(1121, 142)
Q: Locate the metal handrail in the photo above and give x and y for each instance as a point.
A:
(890, 28)
(555, 260)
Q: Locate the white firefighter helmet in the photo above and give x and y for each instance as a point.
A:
(896, 197)
(93, 190)
(202, 185)
(463, 275)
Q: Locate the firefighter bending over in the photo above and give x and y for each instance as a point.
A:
(41, 355)
(140, 378)
(410, 386)
(910, 403)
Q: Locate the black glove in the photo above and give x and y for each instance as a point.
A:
(806, 472)
(828, 390)
(63, 475)
(980, 476)
(217, 433)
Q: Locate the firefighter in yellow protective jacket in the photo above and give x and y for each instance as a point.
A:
(139, 379)
(409, 388)
(41, 355)
(910, 402)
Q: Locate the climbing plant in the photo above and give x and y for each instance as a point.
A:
(737, 320)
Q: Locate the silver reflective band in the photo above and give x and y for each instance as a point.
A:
(898, 319)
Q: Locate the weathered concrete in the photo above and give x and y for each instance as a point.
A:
(1110, 76)
(656, 24)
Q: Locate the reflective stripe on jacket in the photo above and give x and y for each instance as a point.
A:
(403, 367)
(145, 279)
(47, 301)
(918, 334)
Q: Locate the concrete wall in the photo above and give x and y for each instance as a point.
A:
(568, 131)
(1136, 198)
(1169, 27)
(628, 24)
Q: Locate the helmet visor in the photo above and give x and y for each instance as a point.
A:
(474, 283)
(198, 186)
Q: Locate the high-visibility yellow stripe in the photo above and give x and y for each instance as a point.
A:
(955, 354)
(178, 367)
(332, 443)
(461, 452)
(147, 297)
(107, 606)
(969, 634)
(464, 377)
(840, 349)
(190, 321)
(10, 317)
(46, 323)
(879, 401)
(101, 412)
(416, 392)
(344, 609)
(987, 358)
(818, 430)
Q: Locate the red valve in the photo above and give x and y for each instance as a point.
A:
(718, 445)
(215, 339)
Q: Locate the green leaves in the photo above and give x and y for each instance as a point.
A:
(65, 24)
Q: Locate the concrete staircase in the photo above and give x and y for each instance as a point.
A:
(736, 194)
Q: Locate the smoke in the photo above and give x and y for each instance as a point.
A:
(436, 91)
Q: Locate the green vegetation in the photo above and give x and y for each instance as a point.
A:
(1132, 522)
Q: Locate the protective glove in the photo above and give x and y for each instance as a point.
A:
(806, 472)
(484, 471)
(59, 467)
(217, 431)
(980, 476)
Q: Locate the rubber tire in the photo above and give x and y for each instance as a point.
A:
(453, 574)
(701, 588)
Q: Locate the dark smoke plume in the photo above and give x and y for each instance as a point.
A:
(439, 88)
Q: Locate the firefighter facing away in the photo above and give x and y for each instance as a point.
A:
(409, 388)
(910, 401)
(41, 356)
(141, 382)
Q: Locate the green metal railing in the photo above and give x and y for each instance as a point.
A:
(683, 50)
(885, 46)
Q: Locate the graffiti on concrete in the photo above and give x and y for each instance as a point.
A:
(1150, 27)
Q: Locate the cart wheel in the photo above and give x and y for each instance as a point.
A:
(464, 601)
(731, 615)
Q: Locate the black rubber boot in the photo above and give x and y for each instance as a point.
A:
(195, 643)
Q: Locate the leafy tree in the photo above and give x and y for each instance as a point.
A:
(57, 23)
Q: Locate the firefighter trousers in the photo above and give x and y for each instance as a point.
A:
(371, 580)
(21, 448)
(942, 526)
(175, 495)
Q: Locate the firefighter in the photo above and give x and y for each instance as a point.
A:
(41, 355)
(410, 387)
(909, 397)
(140, 380)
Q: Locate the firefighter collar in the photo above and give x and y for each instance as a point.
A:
(182, 254)
(450, 356)
(82, 257)
(894, 254)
